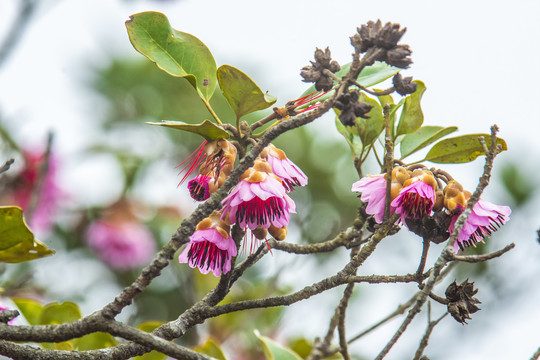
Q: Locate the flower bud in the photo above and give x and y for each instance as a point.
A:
(260, 233)
(439, 200)
(454, 196)
(278, 233)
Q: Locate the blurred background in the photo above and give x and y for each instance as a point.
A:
(73, 89)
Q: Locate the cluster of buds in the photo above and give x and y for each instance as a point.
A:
(351, 108)
(259, 202)
(461, 300)
(316, 71)
(417, 194)
(375, 35)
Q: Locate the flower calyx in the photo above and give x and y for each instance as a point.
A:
(461, 300)
(403, 85)
(375, 35)
(315, 72)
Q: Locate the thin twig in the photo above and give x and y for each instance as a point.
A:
(425, 339)
(484, 257)
(6, 165)
(536, 355)
(17, 30)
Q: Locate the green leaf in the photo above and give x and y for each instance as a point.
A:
(422, 137)
(241, 92)
(460, 149)
(58, 313)
(354, 142)
(150, 326)
(175, 52)
(411, 116)
(17, 242)
(274, 351)
(30, 309)
(97, 340)
(207, 129)
(370, 129)
(210, 348)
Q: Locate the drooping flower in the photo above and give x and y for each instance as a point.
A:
(417, 196)
(285, 169)
(215, 161)
(485, 218)
(373, 189)
(259, 199)
(120, 240)
(211, 247)
(199, 188)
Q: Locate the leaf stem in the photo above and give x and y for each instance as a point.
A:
(212, 112)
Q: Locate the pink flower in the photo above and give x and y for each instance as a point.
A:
(258, 200)
(199, 188)
(485, 218)
(285, 169)
(122, 245)
(414, 201)
(209, 250)
(49, 196)
(373, 189)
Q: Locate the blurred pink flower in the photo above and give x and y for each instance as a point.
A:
(285, 169)
(414, 201)
(122, 245)
(485, 218)
(50, 194)
(373, 189)
(209, 250)
(258, 203)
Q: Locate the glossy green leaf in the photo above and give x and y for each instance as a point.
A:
(241, 92)
(369, 76)
(97, 340)
(422, 137)
(177, 53)
(460, 149)
(207, 129)
(370, 129)
(30, 309)
(150, 326)
(354, 142)
(210, 348)
(274, 351)
(17, 242)
(412, 117)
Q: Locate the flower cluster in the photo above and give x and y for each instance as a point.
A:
(416, 194)
(259, 202)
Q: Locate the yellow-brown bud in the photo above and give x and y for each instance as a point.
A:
(278, 233)
(454, 196)
(439, 200)
(260, 233)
